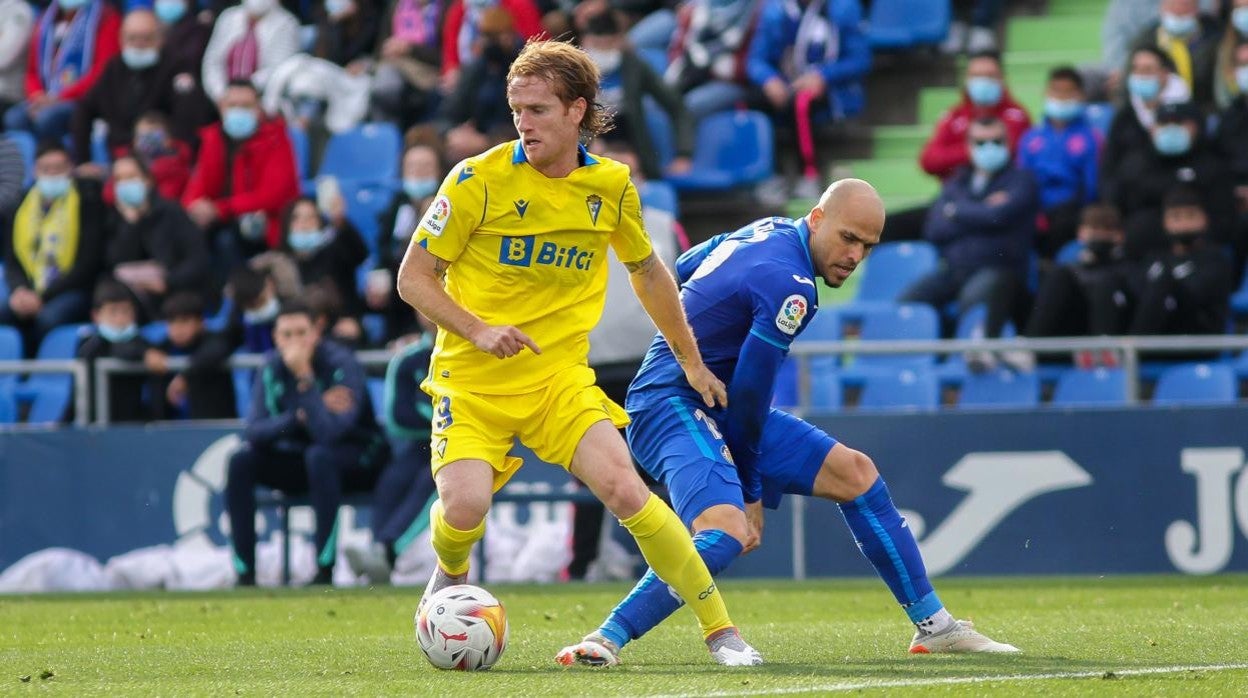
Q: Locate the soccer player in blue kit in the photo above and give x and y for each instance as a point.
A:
(747, 294)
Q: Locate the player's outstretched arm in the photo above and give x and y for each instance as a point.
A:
(656, 290)
(420, 285)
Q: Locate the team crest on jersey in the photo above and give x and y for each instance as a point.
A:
(437, 215)
(594, 203)
(726, 455)
(791, 314)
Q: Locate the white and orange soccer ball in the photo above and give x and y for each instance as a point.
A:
(462, 627)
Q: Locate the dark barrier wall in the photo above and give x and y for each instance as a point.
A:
(1115, 491)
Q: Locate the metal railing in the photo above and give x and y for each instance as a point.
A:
(1128, 347)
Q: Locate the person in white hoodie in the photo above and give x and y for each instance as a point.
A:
(249, 41)
(16, 26)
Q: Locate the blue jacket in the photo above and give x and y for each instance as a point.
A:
(972, 234)
(777, 33)
(1064, 163)
(275, 398)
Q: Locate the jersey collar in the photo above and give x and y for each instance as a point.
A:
(583, 157)
(803, 235)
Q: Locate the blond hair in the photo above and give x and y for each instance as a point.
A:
(571, 75)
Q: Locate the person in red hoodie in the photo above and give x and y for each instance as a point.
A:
(243, 179)
(71, 44)
(984, 95)
(459, 31)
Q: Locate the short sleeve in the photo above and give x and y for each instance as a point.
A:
(630, 240)
(783, 303)
(455, 213)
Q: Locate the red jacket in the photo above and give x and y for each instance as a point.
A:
(107, 45)
(262, 175)
(524, 15)
(946, 150)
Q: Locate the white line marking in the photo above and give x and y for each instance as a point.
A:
(956, 680)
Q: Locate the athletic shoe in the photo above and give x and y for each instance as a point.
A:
(959, 637)
(438, 581)
(729, 649)
(369, 561)
(595, 650)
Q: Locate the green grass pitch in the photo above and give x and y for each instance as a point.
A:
(1123, 636)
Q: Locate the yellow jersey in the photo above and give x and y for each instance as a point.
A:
(530, 251)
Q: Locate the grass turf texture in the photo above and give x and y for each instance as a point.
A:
(817, 637)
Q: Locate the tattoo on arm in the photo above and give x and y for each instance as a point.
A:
(679, 354)
(641, 267)
(439, 267)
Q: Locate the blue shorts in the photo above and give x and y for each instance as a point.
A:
(678, 441)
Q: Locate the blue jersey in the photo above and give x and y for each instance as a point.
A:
(747, 294)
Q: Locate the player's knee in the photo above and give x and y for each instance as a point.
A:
(622, 492)
(846, 474)
(726, 518)
(464, 508)
(861, 473)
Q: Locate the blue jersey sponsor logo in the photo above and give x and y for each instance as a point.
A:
(524, 251)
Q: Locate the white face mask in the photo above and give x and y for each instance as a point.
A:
(607, 60)
(259, 8)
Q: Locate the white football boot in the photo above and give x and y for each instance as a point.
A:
(595, 651)
(961, 636)
(729, 649)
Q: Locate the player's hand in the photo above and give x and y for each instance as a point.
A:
(754, 520)
(502, 340)
(712, 389)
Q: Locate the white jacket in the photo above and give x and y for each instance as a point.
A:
(304, 76)
(277, 34)
(16, 26)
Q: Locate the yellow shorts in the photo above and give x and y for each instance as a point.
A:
(550, 421)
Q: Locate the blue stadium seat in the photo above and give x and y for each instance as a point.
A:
(369, 153)
(825, 391)
(1196, 383)
(49, 393)
(1239, 299)
(902, 24)
(892, 267)
(662, 135)
(218, 320)
(733, 149)
(299, 144)
(825, 326)
(898, 389)
(1100, 387)
(1000, 388)
(365, 203)
(99, 148)
(1069, 253)
(655, 57)
(25, 143)
(661, 195)
(1099, 115)
(244, 381)
(10, 350)
(377, 394)
(898, 321)
(155, 332)
(374, 326)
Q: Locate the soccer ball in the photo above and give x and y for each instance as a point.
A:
(462, 627)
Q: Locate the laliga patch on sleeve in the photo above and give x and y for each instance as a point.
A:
(435, 218)
(791, 314)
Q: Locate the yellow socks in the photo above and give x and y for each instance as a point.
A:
(667, 547)
(452, 545)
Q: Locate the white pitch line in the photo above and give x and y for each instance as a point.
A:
(955, 680)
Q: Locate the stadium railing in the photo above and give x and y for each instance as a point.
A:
(76, 368)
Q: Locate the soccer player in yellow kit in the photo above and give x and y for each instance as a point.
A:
(510, 261)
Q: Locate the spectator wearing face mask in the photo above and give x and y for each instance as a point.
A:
(423, 170)
(476, 115)
(256, 302)
(327, 249)
(248, 42)
(54, 249)
(166, 158)
(1179, 155)
(462, 27)
(983, 224)
(1090, 296)
(186, 31)
(16, 22)
(72, 42)
(116, 336)
(1226, 84)
(1150, 84)
(1231, 146)
(203, 390)
(1061, 153)
(154, 249)
(709, 52)
(406, 81)
(346, 33)
(1187, 283)
(1190, 39)
(133, 83)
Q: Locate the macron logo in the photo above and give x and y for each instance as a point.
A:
(521, 207)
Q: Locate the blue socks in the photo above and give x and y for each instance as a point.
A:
(890, 546)
(651, 601)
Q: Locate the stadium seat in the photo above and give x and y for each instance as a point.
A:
(368, 153)
(220, 318)
(1000, 388)
(1069, 253)
(1099, 116)
(374, 326)
(655, 57)
(733, 149)
(377, 394)
(299, 144)
(155, 332)
(903, 24)
(10, 350)
(365, 203)
(898, 389)
(825, 326)
(892, 267)
(1100, 387)
(1196, 383)
(50, 393)
(825, 391)
(660, 195)
(244, 381)
(99, 148)
(662, 135)
(1239, 299)
(25, 143)
(894, 322)
(825, 388)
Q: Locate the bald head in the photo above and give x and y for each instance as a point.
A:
(844, 226)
